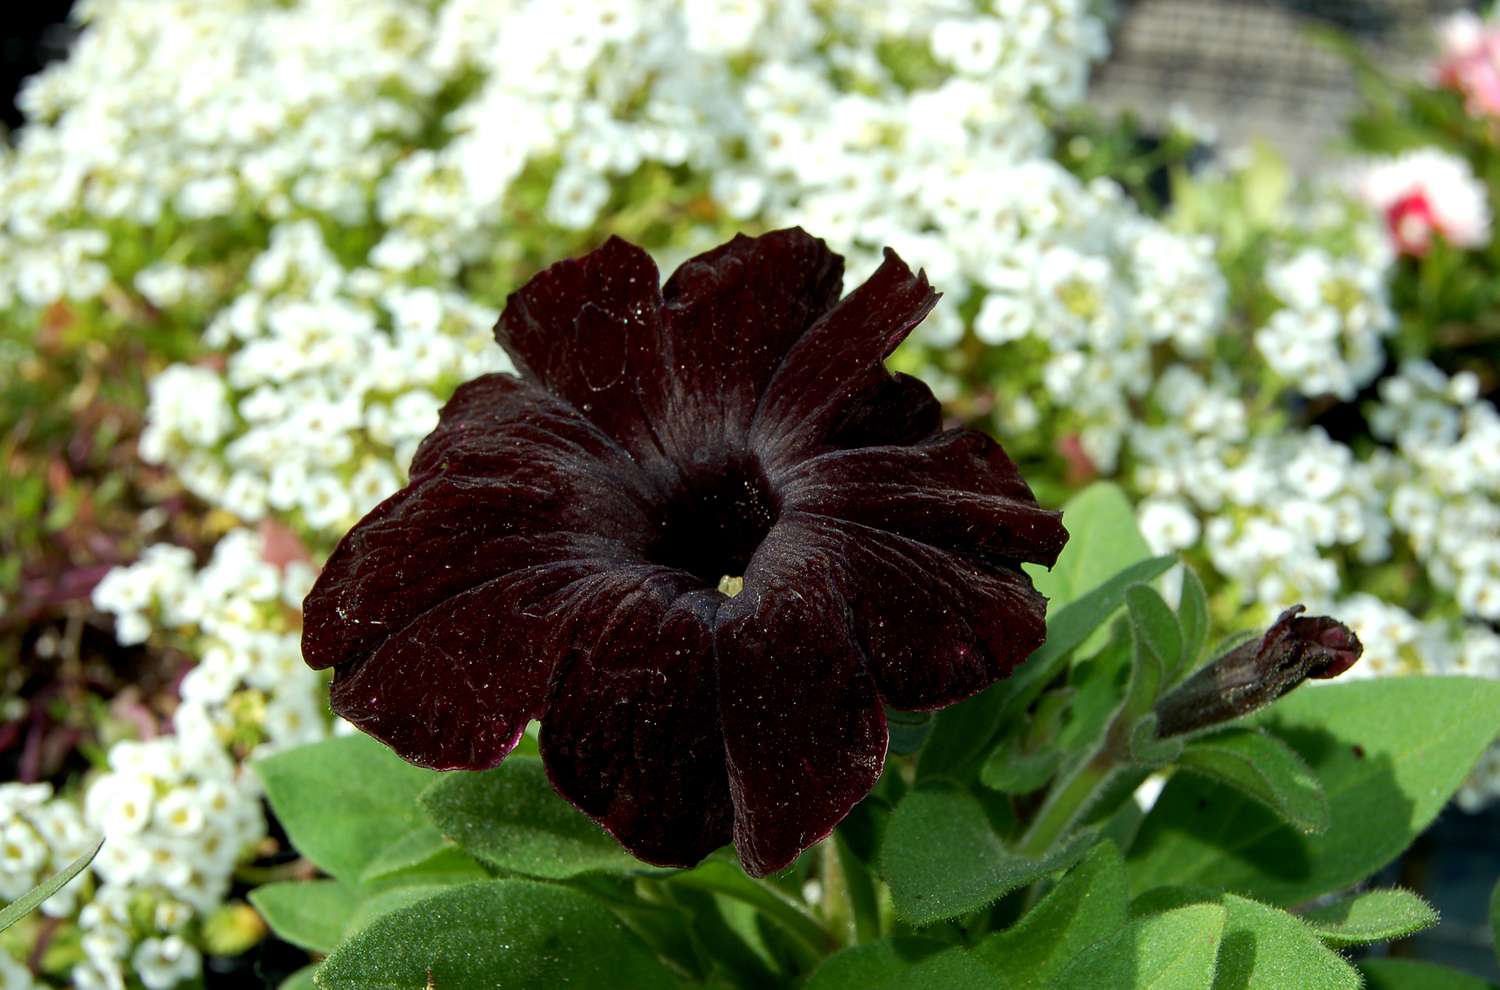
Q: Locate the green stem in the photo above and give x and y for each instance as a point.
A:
(863, 899)
(838, 908)
(1066, 804)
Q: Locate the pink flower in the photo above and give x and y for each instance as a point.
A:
(1427, 192)
(1470, 61)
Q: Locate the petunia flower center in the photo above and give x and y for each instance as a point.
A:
(714, 523)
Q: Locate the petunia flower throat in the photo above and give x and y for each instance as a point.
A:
(565, 545)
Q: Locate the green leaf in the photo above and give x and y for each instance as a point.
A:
(942, 859)
(1265, 948)
(1495, 919)
(1192, 619)
(413, 849)
(1174, 950)
(1088, 905)
(511, 818)
(1011, 772)
(1103, 539)
(311, 914)
(300, 980)
(344, 801)
(377, 904)
(1156, 630)
(1262, 768)
(33, 898)
(1373, 916)
(962, 734)
(1406, 974)
(513, 933)
(727, 879)
(1389, 753)
(901, 964)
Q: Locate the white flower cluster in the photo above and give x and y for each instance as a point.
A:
(179, 812)
(333, 377)
(1447, 497)
(1328, 339)
(38, 837)
(176, 818)
(250, 688)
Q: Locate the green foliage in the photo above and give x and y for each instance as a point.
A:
(511, 818)
(1156, 630)
(1174, 950)
(1264, 769)
(1388, 753)
(300, 980)
(516, 933)
(963, 732)
(1193, 619)
(345, 801)
(1495, 918)
(1264, 947)
(33, 898)
(998, 832)
(942, 858)
(902, 964)
(311, 914)
(1089, 905)
(1371, 916)
(1407, 974)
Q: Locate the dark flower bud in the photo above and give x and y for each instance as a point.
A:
(1257, 672)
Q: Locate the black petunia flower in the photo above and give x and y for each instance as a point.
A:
(565, 546)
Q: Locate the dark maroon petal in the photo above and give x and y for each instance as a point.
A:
(838, 361)
(957, 491)
(899, 410)
(935, 626)
(803, 727)
(632, 736)
(511, 478)
(455, 688)
(731, 316)
(589, 330)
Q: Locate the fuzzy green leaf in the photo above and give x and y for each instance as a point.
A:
(1495, 919)
(1088, 905)
(1192, 619)
(1264, 947)
(901, 964)
(1373, 916)
(311, 914)
(419, 846)
(1263, 768)
(33, 898)
(344, 801)
(942, 859)
(1408, 974)
(511, 818)
(1174, 950)
(1267, 949)
(513, 933)
(300, 980)
(727, 879)
(1012, 772)
(1389, 754)
(1156, 628)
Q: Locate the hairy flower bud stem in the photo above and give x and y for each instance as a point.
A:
(1256, 673)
